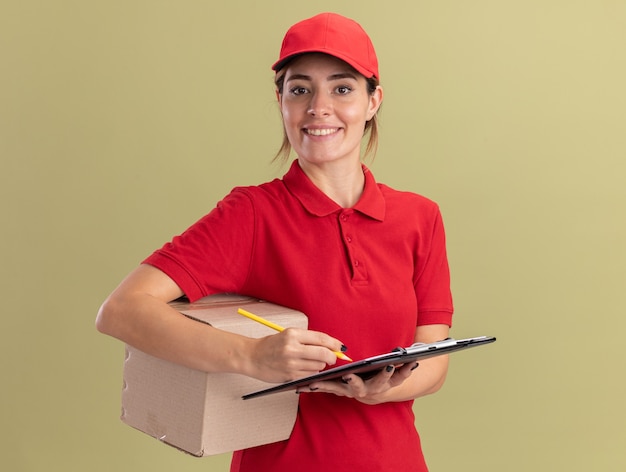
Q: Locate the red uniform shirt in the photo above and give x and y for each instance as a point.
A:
(367, 275)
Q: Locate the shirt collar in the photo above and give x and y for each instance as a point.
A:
(371, 203)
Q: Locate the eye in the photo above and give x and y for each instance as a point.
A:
(298, 90)
(343, 90)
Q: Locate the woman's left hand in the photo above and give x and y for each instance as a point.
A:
(394, 384)
(365, 391)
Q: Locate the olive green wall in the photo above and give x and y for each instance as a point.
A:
(121, 122)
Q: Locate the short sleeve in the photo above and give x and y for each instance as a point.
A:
(432, 275)
(213, 255)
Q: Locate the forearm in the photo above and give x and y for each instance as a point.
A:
(424, 380)
(152, 326)
(137, 312)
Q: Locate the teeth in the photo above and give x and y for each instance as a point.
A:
(321, 132)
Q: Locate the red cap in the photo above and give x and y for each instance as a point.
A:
(332, 34)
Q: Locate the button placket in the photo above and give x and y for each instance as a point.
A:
(357, 268)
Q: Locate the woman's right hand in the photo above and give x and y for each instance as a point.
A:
(291, 354)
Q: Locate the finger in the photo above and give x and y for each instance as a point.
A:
(344, 388)
(384, 375)
(298, 344)
(402, 373)
(407, 369)
(288, 359)
(389, 376)
(317, 338)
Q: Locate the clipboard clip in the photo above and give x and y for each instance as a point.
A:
(405, 350)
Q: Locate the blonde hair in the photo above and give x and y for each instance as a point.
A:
(371, 126)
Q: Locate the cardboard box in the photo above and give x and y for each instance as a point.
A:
(203, 413)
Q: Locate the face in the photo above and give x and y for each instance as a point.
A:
(325, 104)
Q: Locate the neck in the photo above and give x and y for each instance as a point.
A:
(342, 184)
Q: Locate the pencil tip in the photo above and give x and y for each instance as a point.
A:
(341, 355)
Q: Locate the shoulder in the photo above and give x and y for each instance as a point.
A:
(405, 199)
(255, 200)
(259, 194)
(411, 211)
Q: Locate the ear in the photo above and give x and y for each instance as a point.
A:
(375, 100)
(279, 99)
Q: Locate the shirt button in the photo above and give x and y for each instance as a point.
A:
(349, 239)
(356, 263)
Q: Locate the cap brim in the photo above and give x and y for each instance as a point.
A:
(281, 63)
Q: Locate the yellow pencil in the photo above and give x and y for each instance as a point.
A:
(269, 324)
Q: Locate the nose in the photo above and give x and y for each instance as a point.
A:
(320, 104)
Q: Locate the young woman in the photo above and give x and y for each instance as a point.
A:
(367, 264)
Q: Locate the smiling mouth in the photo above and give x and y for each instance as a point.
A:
(321, 132)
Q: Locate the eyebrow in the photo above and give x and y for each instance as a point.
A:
(338, 76)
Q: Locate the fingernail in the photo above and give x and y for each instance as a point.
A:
(389, 368)
(344, 348)
(312, 389)
(347, 380)
(417, 364)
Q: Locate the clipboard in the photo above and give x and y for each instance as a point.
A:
(367, 368)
